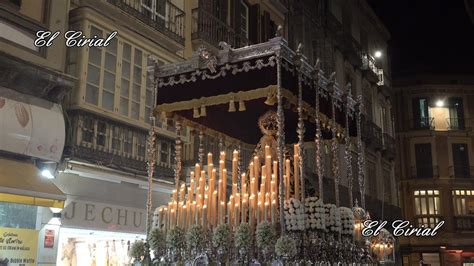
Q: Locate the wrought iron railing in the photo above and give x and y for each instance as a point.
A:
(105, 142)
(422, 171)
(368, 63)
(461, 171)
(209, 28)
(372, 134)
(423, 123)
(458, 123)
(162, 15)
(464, 223)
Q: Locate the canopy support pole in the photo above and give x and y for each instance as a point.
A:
(280, 140)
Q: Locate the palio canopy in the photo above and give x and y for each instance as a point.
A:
(230, 90)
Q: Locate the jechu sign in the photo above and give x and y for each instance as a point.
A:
(18, 246)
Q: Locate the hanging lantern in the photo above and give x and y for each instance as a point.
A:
(382, 246)
(196, 112)
(242, 106)
(203, 110)
(359, 218)
(231, 106)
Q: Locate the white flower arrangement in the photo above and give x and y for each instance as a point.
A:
(347, 221)
(294, 215)
(315, 214)
(333, 218)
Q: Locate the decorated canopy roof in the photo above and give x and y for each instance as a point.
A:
(229, 90)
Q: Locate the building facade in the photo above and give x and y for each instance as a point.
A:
(32, 129)
(350, 40)
(435, 140)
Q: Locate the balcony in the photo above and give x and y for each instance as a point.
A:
(464, 223)
(461, 171)
(349, 47)
(423, 123)
(458, 123)
(161, 15)
(104, 142)
(388, 146)
(372, 135)
(424, 171)
(209, 29)
(369, 68)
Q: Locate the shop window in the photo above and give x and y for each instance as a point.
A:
(13, 215)
(427, 207)
(423, 160)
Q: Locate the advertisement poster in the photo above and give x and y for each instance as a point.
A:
(18, 246)
(49, 238)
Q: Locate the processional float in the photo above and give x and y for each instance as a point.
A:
(227, 94)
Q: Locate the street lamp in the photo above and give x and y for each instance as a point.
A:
(378, 54)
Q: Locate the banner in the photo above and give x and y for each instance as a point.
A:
(18, 246)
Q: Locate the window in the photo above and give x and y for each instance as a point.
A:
(423, 160)
(154, 9)
(463, 202)
(117, 139)
(116, 77)
(140, 144)
(463, 205)
(438, 113)
(244, 19)
(421, 118)
(372, 178)
(87, 129)
(460, 160)
(35, 9)
(127, 141)
(101, 134)
(164, 153)
(427, 207)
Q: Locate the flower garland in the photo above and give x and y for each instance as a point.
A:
(265, 236)
(347, 221)
(333, 218)
(285, 247)
(315, 214)
(294, 216)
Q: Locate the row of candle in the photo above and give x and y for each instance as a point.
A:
(204, 200)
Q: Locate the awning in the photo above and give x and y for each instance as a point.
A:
(21, 182)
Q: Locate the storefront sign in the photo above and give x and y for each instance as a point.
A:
(101, 216)
(18, 246)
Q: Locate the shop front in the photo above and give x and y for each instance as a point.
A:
(101, 219)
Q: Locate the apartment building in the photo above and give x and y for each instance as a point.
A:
(436, 168)
(350, 40)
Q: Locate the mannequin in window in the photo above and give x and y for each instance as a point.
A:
(68, 256)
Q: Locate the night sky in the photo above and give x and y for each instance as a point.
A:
(428, 36)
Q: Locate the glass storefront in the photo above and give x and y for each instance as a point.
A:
(92, 247)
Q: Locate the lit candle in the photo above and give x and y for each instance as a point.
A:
(296, 172)
(235, 160)
(251, 171)
(209, 158)
(287, 178)
(268, 169)
(273, 210)
(256, 163)
(243, 183)
(204, 217)
(224, 184)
